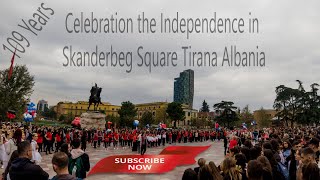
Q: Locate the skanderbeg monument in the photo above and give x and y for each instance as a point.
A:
(93, 119)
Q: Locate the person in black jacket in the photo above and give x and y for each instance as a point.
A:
(76, 153)
(22, 168)
(84, 140)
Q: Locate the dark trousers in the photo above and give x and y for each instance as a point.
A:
(40, 147)
(58, 146)
(94, 144)
(135, 146)
(51, 145)
(143, 148)
(48, 148)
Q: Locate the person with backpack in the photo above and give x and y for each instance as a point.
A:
(279, 171)
(79, 163)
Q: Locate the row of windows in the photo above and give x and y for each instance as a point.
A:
(146, 108)
(98, 108)
(80, 112)
(140, 114)
(194, 114)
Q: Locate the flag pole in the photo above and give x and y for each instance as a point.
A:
(12, 62)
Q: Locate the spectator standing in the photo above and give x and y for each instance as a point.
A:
(22, 168)
(79, 163)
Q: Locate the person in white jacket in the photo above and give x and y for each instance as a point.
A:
(9, 147)
(11, 144)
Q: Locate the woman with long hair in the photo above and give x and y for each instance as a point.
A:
(205, 173)
(11, 144)
(267, 169)
(276, 174)
(241, 164)
(229, 170)
(215, 171)
(255, 170)
(201, 163)
(286, 151)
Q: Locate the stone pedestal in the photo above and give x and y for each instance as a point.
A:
(91, 119)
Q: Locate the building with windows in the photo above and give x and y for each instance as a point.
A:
(189, 115)
(269, 113)
(184, 88)
(158, 110)
(154, 108)
(76, 109)
(209, 116)
(42, 105)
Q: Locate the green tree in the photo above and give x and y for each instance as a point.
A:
(227, 112)
(102, 111)
(291, 103)
(161, 115)
(127, 113)
(49, 113)
(199, 122)
(314, 104)
(114, 119)
(15, 93)
(205, 107)
(147, 118)
(62, 118)
(69, 118)
(175, 112)
(246, 116)
(310, 101)
(263, 119)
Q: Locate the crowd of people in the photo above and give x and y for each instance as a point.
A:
(270, 153)
(22, 148)
(267, 154)
(36, 141)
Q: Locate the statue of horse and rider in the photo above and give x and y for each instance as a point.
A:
(95, 98)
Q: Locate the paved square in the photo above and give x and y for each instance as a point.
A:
(214, 153)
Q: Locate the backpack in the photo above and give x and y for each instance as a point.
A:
(283, 170)
(75, 167)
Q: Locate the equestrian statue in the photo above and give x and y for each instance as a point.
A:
(95, 98)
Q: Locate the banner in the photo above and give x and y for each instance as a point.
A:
(167, 160)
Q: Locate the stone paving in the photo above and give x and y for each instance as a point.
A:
(214, 153)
